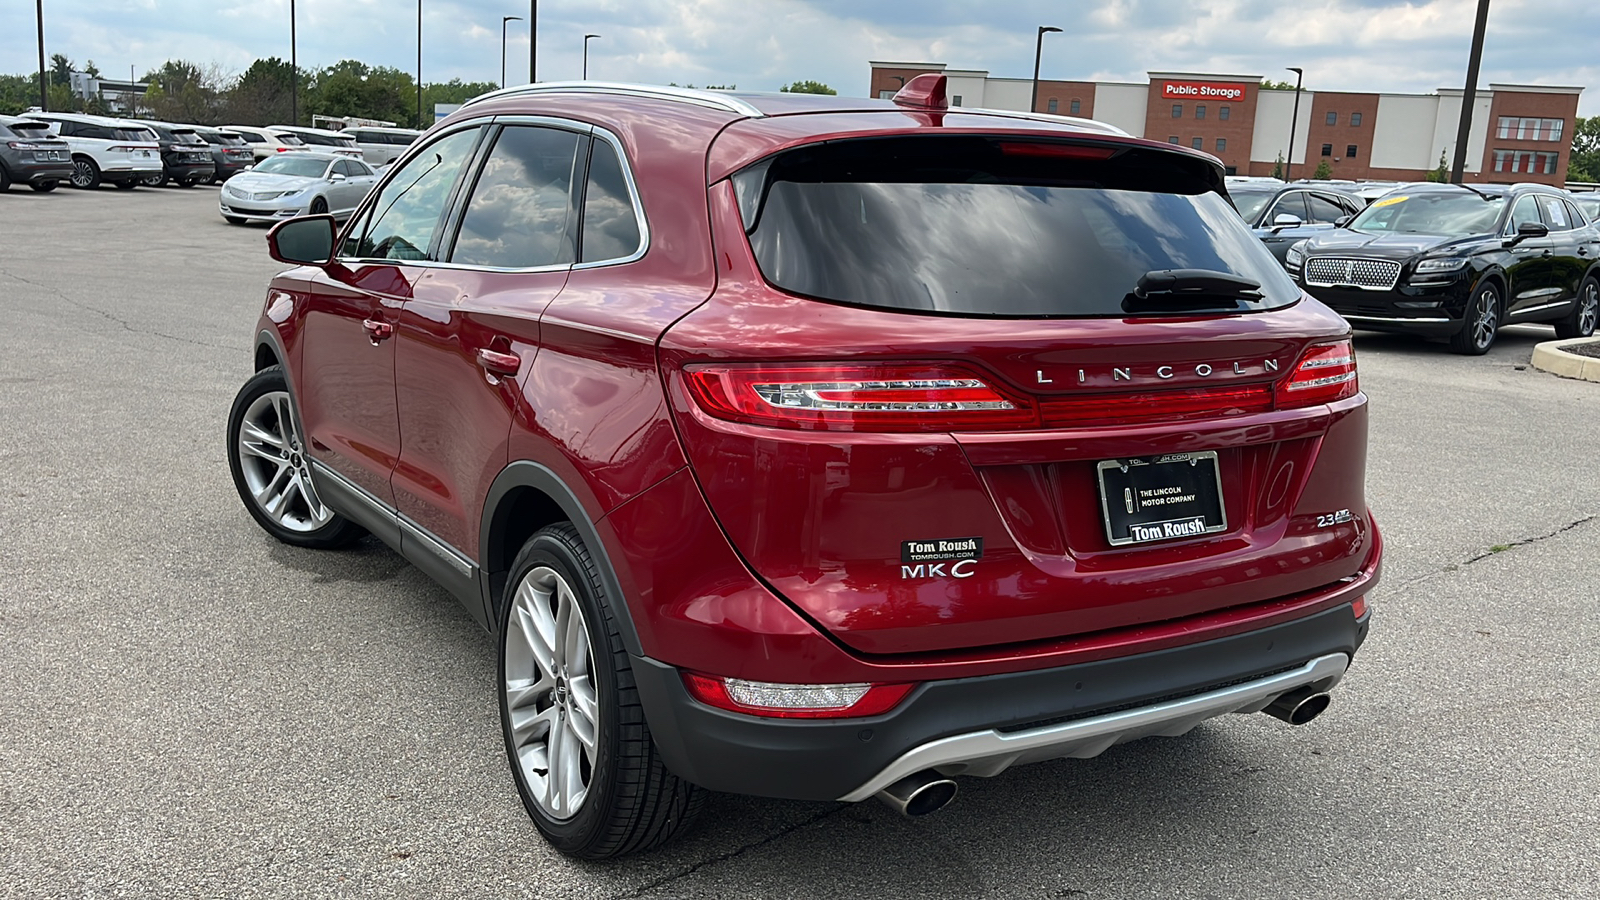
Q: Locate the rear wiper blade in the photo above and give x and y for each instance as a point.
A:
(1191, 290)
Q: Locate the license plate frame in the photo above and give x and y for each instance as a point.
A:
(1161, 498)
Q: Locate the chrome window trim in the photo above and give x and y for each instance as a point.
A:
(633, 195)
(707, 99)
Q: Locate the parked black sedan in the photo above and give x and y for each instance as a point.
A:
(1458, 262)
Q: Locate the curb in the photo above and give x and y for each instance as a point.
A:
(1550, 357)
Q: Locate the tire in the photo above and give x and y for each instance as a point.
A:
(44, 187)
(319, 206)
(127, 185)
(85, 174)
(1481, 321)
(270, 468)
(1580, 323)
(213, 178)
(630, 801)
(188, 182)
(234, 220)
(5, 179)
(154, 180)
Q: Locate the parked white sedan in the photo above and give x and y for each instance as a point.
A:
(296, 184)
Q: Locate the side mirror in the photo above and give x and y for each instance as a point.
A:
(1285, 220)
(1342, 221)
(337, 176)
(1526, 230)
(303, 240)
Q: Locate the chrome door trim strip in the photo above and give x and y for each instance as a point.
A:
(1351, 318)
(457, 560)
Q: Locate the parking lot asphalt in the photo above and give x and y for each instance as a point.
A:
(189, 709)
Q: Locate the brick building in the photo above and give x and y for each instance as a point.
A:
(1519, 132)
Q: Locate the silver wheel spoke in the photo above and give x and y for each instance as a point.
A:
(586, 714)
(276, 493)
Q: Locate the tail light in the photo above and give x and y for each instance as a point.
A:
(1325, 373)
(890, 398)
(123, 148)
(795, 701)
(24, 145)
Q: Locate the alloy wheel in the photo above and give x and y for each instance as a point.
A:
(1486, 319)
(551, 696)
(82, 173)
(275, 468)
(1589, 307)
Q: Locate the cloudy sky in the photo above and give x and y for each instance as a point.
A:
(1372, 45)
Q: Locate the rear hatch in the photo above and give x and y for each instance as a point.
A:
(962, 391)
(36, 136)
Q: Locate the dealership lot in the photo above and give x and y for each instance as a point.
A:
(190, 709)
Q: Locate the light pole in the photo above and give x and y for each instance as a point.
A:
(1038, 50)
(503, 21)
(294, 73)
(1294, 119)
(44, 96)
(586, 39)
(1464, 130)
(419, 65)
(533, 41)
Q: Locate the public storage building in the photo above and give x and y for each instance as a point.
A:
(1519, 132)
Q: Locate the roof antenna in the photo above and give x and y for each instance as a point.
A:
(924, 92)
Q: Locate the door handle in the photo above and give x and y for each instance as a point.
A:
(1547, 252)
(496, 362)
(377, 331)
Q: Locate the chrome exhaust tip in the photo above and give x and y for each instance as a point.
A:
(915, 796)
(1299, 706)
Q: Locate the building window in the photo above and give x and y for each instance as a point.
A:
(1076, 106)
(1177, 110)
(1173, 139)
(1222, 145)
(1525, 161)
(1054, 105)
(1333, 118)
(1513, 128)
(1350, 151)
(955, 100)
(1552, 131)
(886, 95)
(1222, 113)
(1197, 143)
(1327, 149)
(1355, 120)
(1200, 111)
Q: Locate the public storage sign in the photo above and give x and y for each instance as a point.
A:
(1201, 90)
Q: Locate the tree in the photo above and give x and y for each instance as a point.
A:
(60, 70)
(182, 91)
(1270, 85)
(1584, 164)
(1323, 172)
(1442, 173)
(807, 87)
(261, 96)
(1277, 168)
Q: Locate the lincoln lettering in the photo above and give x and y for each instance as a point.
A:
(1199, 370)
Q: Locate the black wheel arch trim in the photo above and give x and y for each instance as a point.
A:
(492, 571)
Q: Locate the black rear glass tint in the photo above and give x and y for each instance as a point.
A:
(993, 226)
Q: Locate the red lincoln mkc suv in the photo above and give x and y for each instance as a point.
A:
(820, 448)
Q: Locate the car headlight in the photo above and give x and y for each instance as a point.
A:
(1296, 254)
(290, 193)
(1440, 264)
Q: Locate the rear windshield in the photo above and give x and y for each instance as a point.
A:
(187, 136)
(135, 134)
(288, 139)
(325, 140)
(996, 227)
(30, 129)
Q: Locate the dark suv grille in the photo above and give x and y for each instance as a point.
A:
(1332, 271)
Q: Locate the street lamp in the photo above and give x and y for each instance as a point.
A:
(1038, 50)
(503, 21)
(419, 65)
(1294, 119)
(294, 72)
(1470, 95)
(533, 40)
(586, 39)
(44, 96)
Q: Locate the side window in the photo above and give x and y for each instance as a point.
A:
(402, 222)
(1290, 204)
(1324, 209)
(346, 168)
(1577, 217)
(1526, 210)
(610, 228)
(520, 213)
(1555, 214)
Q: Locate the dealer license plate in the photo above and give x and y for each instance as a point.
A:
(1161, 498)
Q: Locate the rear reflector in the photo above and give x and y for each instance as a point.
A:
(794, 701)
(1359, 607)
(1057, 151)
(890, 398)
(1325, 373)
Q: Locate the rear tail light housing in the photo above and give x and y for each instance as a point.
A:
(1325, 373)
(887, 398)
(795, 701)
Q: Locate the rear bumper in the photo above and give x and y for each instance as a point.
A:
(983, 725)
(30, 171)
(191, 171)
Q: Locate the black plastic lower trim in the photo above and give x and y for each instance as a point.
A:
(809, 759)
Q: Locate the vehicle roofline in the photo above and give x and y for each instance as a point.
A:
(693, 96)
